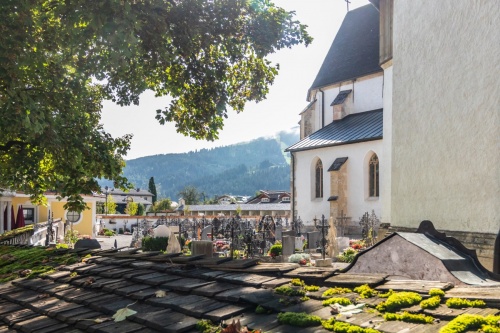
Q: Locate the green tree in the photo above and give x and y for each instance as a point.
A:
(140, 209)
(131, 208)
(110, 205)
(152, 188)
(161, 205)
(61, 59)
(190, 194)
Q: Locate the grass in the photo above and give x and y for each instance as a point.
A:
(31, 262)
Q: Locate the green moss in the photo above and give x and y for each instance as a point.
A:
(289, 291)
(311, 288)
(297, 282)
(387, 294)
(341, 327)
(206, 326)
(459, 303)
(334, 291)
(31, 262)
(300, 319)
(409, 318)
(260, 310)
(430, 303)
(398, 301)
(365, 291)
(338, 300)
(467, 322)
(436, 292)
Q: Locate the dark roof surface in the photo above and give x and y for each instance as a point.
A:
(338, 163)
(355, 49)
(341, 97)
(358, 127)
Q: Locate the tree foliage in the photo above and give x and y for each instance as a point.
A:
(161, 205)
(60, 59)
(131, 208)
(190, 194)
(110, 205)
(152, 188)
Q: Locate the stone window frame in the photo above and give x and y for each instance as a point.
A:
(374, 176)
(74, 214)
(318, 179)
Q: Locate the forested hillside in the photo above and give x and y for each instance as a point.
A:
(240, 169)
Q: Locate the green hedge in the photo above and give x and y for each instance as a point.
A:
(154, 243)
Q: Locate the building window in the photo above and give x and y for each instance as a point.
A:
(73, 217)
(29, 215)
(264, 200)
(319, 179)
(374, 176)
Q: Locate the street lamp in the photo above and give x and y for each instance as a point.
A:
(106, 204)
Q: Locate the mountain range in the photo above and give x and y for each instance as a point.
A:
(239, 169)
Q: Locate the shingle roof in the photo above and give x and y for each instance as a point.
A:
(358, 127)
(355, 49)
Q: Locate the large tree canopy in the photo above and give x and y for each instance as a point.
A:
(60, 59)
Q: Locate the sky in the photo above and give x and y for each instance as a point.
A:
(278, 112)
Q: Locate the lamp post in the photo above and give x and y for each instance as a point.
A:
(106, 204)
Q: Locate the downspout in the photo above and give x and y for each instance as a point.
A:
(322, 108)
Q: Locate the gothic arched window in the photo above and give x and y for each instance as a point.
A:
(373, 176)
(319, 179)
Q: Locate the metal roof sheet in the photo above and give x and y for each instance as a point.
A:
(358, 127)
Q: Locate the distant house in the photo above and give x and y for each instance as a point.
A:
(270, 197)
(121, 198)
(232, 199)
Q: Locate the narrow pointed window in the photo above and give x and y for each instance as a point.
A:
(319, 179)
(374, 176)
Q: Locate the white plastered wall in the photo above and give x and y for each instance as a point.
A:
(309, 207)
(385, 168)
(445, 120)
(366, 96)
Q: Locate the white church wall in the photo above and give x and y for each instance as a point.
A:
(445, 130)
(366, 96)
(309, 207)
(385, 168)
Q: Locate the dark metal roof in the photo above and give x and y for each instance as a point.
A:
(338, 163)
(341, 97)
(355, 49)
(358, 127)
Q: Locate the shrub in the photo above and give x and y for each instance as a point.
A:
(62, 246)
(109, 233)
(399, 300)
(339, 300)
(458, 303)
(334, 291)
(276, 250)
(154, 243)
(299, 319)
(365, 291)
(260, 310)
(347, 255)
(409, 318)
(430, 303)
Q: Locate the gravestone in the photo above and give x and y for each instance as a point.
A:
(86, 243)
(288, 245)
(205, 233)
(279, 233)
(289, 233)
(204, 247)
(313, 239)
(299, 243)
(342, 243)
(162, 231)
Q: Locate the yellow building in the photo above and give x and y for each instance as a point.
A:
(11, 202)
